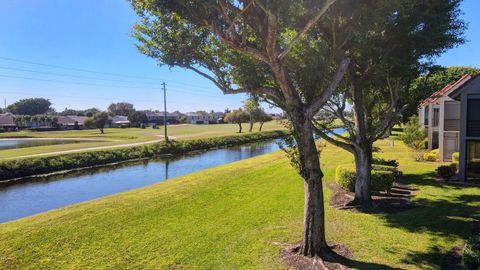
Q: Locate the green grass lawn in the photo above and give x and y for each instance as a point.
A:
(236, 217)
(118, 136)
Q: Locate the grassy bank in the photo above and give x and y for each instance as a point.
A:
(118, 136)
(16, 168)
(236, 217)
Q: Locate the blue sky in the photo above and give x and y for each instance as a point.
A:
(94, 35)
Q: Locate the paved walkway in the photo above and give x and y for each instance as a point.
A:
(95, 148)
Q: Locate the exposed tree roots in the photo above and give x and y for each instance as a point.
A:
(340, 253)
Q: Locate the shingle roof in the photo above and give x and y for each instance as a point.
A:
(6, 119)
(446, 90)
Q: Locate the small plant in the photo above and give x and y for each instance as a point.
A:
(387, 162)
(456, 157)
(471, 253)
(432, 155)
(445, 172)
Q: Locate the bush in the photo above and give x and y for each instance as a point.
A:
(413, 135)
(445, 172)
(345, 177)
(387, 162)
(454, 168)
(471, 253)
(456, 157)
(432, 155)
(10, 169)
(382, 180)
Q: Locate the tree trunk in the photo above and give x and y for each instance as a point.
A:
(251, 126)
(313, 234)
(261, 125)
(101, 130)
(239, 127)
(363, 167)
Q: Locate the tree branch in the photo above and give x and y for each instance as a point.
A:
(331, 140)
(326, 94)
(305, 29)
(227, 90)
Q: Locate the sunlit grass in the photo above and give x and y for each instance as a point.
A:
(235, 217)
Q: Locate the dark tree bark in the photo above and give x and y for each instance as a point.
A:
(261, 125)
(251, 125)
(239, 127)
(313, 233)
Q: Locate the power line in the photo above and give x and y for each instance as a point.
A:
(71, 75)
(77, 69)
(106, 85)
(93, 71)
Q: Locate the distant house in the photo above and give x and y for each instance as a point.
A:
(120, 121)
(7, 122)
(451, 117)
(71, 121)
(205, 118)
(158, 117)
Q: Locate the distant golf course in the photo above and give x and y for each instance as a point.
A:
(117, 137)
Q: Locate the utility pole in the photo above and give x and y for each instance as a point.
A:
(165, 110)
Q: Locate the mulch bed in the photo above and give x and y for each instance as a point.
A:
(290, 257)
(398, 200)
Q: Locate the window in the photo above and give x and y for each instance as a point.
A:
(425, 114)
(436, 117)
(452, 116)
(473, 117)
(473, 160)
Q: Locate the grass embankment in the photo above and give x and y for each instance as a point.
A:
(235, 217)
(118, 136)
(16, 168)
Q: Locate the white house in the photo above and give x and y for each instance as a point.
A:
(451, 117)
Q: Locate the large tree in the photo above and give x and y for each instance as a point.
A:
(238, 117)
(30, 106)
(120, 108)
(99, 120)
(435, 79)
(384, 63)
(258, 47)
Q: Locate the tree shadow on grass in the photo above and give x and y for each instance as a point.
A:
(450, 215)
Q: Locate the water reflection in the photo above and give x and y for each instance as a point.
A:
(24, 143)
(42, 194)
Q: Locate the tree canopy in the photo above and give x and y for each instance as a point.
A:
(99, 120)
(30, 106)
(425, 85)
(120, 108)
(238, 117)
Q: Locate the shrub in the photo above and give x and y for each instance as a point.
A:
(345, 177)
(413, 135)
(454, 168)
(383, 180)
(382, 161)
(455, 157)
(445, 172)
(471, 253)
(432, 155)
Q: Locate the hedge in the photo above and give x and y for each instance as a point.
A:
(455, 157)
(10, 169)
(382, 180)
